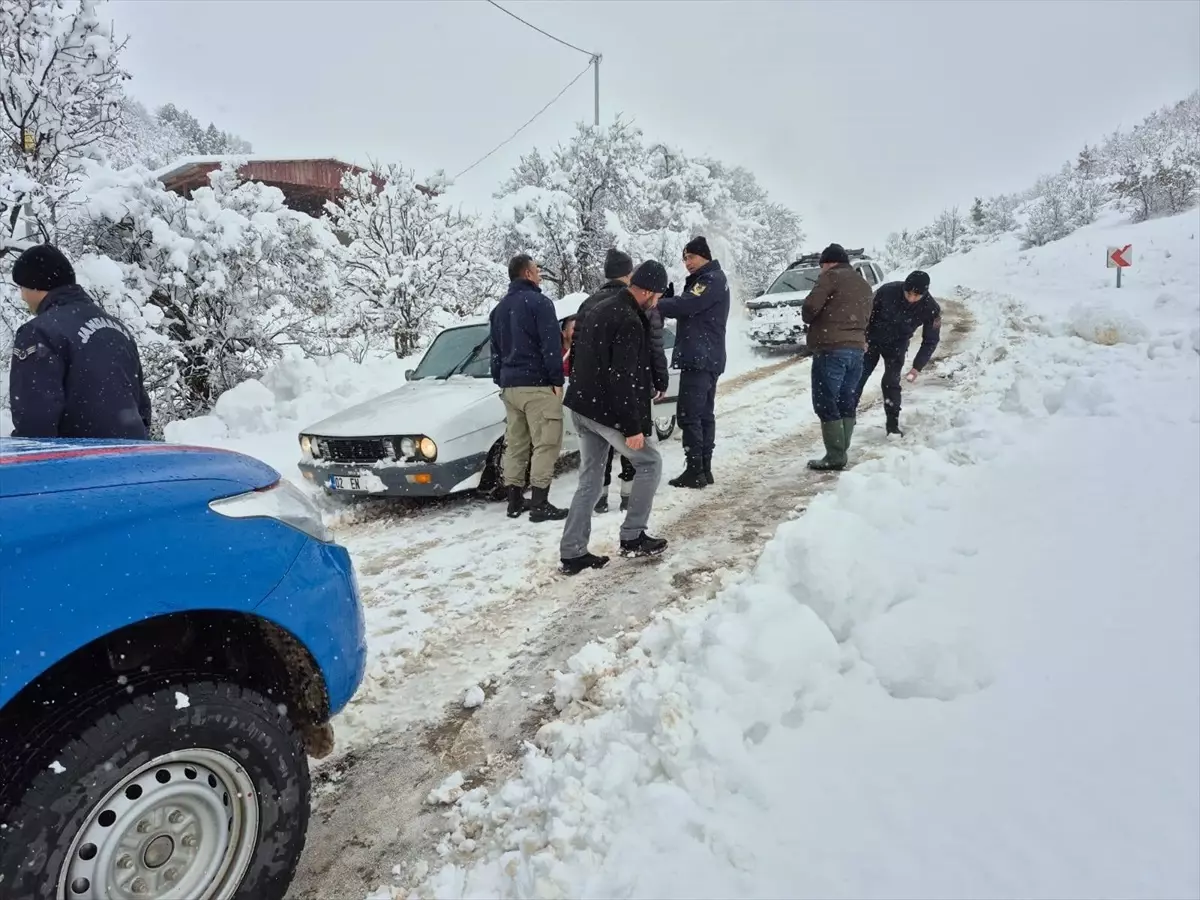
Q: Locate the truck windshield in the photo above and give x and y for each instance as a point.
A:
(450, 353)
(795, 280)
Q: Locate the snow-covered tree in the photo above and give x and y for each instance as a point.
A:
(60, 103)
(214, 285)
(977, 214)
(557, 209)
(606, 188)
(412, 264)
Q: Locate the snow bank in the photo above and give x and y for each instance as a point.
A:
(973, 669)
(264, 418)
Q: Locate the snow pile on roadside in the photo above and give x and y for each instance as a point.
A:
(973, 669)
(263, 418)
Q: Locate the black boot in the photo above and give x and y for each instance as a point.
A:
(893, 424)
(601, 506)
(626, 490)
(643, 545)
(516, 501)
(582, 563)
(692, 477)
(541, 510)
(708, 476)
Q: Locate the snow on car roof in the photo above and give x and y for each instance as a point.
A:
(564, 308)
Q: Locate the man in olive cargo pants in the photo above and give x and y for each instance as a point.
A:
(527, 365)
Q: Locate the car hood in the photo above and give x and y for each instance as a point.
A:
(424, 407)
(771, 301)
(47, 465)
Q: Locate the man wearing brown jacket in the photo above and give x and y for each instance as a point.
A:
(836, 311)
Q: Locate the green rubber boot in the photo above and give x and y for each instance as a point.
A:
(848, 427)
(834, 435)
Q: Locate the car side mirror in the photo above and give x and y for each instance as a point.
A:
(409, 373)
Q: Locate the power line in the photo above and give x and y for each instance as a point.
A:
(540, 31)
(570, 84)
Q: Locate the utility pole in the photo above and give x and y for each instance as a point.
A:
(596, 65)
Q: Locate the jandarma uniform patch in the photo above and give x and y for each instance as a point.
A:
(27, 352)
(698, 288)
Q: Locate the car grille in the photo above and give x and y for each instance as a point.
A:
(353, 450)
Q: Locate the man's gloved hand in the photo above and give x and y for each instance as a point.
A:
(670, 291)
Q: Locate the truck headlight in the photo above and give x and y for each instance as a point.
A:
(283, 502)
(306, 445)
(428, 448)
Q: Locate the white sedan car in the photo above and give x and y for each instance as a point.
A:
(443, 431)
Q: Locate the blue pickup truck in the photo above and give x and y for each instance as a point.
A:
(176, 630)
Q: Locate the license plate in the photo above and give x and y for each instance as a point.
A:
(345, 483)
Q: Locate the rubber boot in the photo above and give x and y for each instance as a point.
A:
(848, 427)
(708, 476)
(834, 435)
(516, 501)
(601, 506)
(893, 424)
(692, 477)
(541, 510)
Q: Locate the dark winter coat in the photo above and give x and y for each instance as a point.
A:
(894, 321)
(526, 339)
(611, 377)
(76, 373)
(702, 310)
(836, 310)
(658, 356)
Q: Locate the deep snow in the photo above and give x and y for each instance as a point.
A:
(972, 669)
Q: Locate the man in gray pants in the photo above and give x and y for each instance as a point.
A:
(610, 392)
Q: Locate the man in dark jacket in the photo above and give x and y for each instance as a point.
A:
(836, 311)
(703, 311)
(76, 371)
(527, 365)
(618, 269)
(609, 397)
(900, 307)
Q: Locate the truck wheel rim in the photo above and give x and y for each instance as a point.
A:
(182, 827)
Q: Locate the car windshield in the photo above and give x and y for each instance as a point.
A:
(795, 280)
(450, 350)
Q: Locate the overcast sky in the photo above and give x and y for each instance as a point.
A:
(864, 117)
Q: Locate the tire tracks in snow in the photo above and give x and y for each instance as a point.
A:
(370, 811)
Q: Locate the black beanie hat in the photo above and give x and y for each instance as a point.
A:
(42, 268)
(917, 282)
(835, 253)
(699, 247)
(650, 276)
(617, 264)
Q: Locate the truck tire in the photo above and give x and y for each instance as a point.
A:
(195, 789)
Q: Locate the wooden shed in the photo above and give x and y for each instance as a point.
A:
(306, 183)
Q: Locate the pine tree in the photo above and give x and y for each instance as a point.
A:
(978, 216)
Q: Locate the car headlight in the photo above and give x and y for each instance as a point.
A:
(283, 502)
(306, 445)
(427, 448)
(408, 448)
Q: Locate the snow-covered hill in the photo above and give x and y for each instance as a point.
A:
(972, 669)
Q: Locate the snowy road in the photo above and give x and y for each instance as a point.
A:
(459, 596)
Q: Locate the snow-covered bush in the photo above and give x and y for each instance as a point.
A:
(221, 280)
(1151, 170)
(412, 266)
